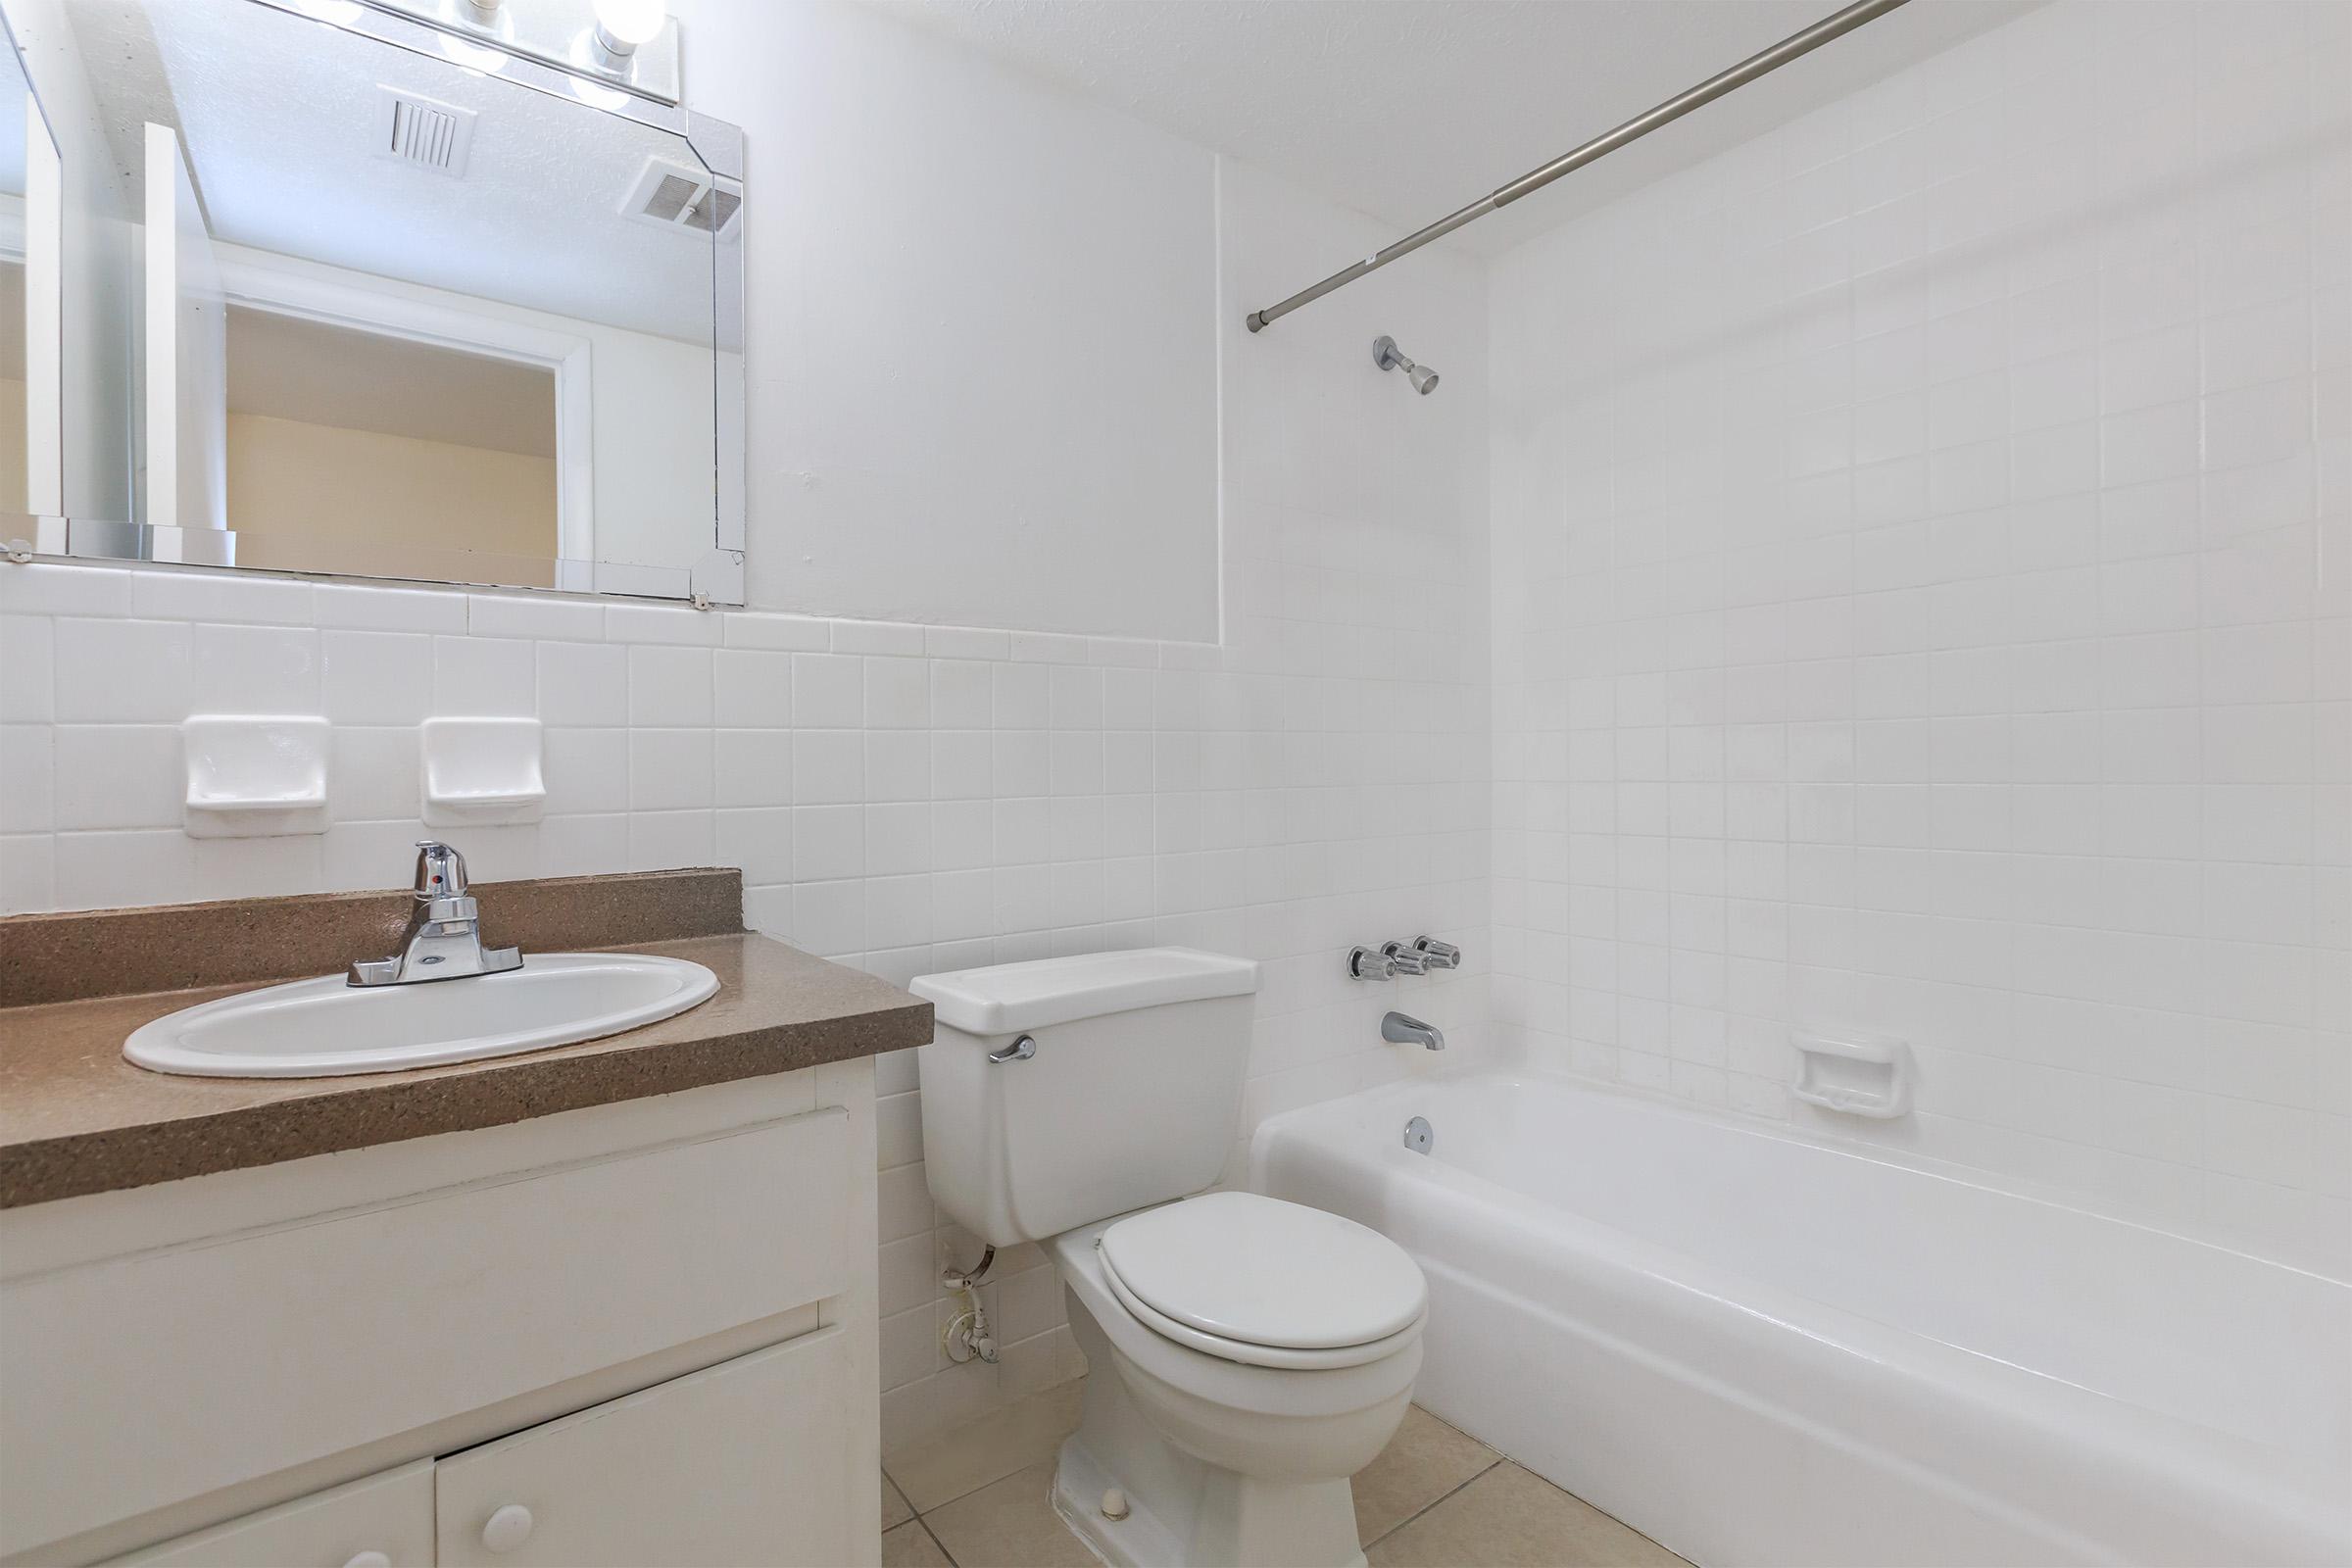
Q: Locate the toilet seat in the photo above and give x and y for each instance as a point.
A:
(1264, 1283)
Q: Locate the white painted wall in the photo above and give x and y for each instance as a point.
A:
(983, 334)
(1920, 603)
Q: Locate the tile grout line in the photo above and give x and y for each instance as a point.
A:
(924, 1525)
(1483, 1471)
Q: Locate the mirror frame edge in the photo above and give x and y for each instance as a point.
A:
(715, 580)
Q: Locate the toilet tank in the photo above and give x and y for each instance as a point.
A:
(1129, 1095)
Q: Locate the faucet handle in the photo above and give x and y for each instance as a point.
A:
(1438, 955)
(440, 870)
(1405, 961)
(1365, 965)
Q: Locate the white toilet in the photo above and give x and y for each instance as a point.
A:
(1247, 1355)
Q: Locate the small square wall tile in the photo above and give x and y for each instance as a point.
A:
(828, 691)
(484, 678)
(670, 769)
(753, 766)
(28, 779)
(898, 694)
(123, 671)
(375, 677)
(669, 685)
(751, 689)
(118, 776)
(256, 670)
(29, 656)
(583, 683)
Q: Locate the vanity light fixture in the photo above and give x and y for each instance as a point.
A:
(625, 45)
(621, 25)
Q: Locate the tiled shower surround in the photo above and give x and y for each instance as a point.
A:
(1921, 561)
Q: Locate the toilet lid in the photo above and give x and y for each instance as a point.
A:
(1260, 1271)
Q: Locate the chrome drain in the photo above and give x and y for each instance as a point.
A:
(1418, 1135)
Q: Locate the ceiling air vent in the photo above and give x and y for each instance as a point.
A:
(715, 212)
(418, 130)
(675, 196)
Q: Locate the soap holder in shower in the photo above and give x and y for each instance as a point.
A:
(482, 772)
(254, 777)
(1855, 1074)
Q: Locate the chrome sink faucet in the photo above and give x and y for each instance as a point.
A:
(1404, 1029)
(444, 937)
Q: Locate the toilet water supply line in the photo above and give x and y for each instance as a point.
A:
(967, 1330)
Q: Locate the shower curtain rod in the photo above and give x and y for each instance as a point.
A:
(1740, 75)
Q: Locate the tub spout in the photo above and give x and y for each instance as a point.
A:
(1406, 1030)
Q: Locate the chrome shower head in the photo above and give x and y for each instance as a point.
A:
(1389, 357)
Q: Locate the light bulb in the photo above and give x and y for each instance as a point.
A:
(622, 25)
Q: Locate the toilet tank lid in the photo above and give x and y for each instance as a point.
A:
(1007, 998)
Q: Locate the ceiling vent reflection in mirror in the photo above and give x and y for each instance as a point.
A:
(418, 130)
(675, 196)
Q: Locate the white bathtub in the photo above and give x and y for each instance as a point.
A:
(1756, 1347)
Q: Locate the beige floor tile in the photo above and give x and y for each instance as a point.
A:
(1509, 1518)
(989, 1450)
(1010, 1524)
(1424, 1461)
(911, 1546)
(896, 1509)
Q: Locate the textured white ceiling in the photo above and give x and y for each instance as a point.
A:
(279, 116)
(1409, 109)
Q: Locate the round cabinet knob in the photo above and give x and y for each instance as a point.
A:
(508, 1528)
(370, 1559)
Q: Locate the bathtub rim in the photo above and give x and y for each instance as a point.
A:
(2045, 1194)
(2277, 1475)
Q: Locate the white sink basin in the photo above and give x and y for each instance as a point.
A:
(322, 1028)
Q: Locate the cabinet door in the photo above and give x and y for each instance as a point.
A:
(389, 1516)
(739, 1464)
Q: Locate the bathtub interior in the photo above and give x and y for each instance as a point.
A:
(2158, 1321)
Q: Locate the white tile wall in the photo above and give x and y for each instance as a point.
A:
(900, 797)
(1920, 601)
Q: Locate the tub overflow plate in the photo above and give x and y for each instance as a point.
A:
(1418, 1135)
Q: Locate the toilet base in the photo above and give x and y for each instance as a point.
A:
(1183, 1512)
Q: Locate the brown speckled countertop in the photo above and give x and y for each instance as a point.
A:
(76, 1118)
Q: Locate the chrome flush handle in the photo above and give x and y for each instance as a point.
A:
(1021, 1049)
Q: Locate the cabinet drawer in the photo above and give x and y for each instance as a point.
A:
(283, 1346)
(390, 1516)
(740, 1463)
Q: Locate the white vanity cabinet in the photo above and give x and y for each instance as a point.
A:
(642, 1335)
(382, 1521)
(738, 1464)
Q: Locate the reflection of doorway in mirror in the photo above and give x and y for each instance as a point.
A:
(355, 440)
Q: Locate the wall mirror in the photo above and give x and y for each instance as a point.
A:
(412, 302)
(31, 218)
